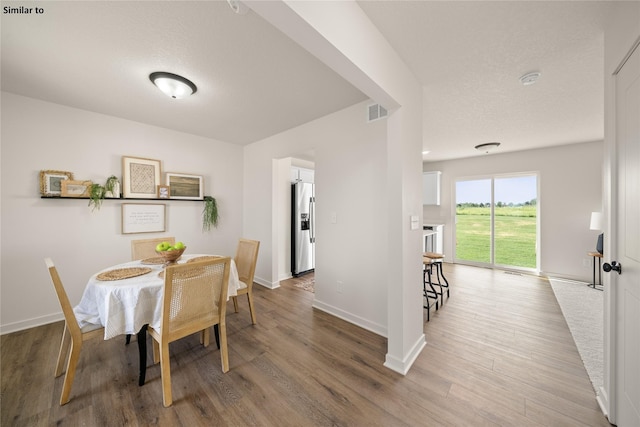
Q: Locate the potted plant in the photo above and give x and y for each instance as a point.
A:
(96, 196)
(112, 187)
(209, 213)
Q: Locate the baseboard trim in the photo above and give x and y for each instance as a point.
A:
(403, 365)
(349, 317)
(266, 283)
(563, 276)
(603, 402)
(30, 323)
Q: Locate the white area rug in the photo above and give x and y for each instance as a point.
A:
(582, 307)
(307, 285)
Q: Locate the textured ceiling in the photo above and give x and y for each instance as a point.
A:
(253, 82)
(469, 56)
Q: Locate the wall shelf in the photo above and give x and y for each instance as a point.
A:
(125, 200)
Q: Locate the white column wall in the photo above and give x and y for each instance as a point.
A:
(365, 59)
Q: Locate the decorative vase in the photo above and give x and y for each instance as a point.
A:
(115, 194)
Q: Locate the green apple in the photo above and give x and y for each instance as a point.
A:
(179, 245)
(164, 246)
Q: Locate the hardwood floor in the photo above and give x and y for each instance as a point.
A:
(498, 353)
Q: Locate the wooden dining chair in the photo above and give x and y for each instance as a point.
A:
(146, 248)
(143, 249)
(194, 300)
(246, 259)
(73, 336)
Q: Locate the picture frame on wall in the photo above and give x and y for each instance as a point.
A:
(184, 186)
(51, 182)
(140, 177)
(143, 218)
(163, 192)
(71, 188)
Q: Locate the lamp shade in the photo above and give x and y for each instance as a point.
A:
(173, 85)
(596, 221)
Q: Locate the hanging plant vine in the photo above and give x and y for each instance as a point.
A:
(210, 215)
(96, 196)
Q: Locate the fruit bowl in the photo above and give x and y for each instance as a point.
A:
(171, 256)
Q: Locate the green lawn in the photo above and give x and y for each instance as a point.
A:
(515, 239)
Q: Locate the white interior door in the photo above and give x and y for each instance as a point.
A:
(626, 247)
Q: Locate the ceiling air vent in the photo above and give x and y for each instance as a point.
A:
(376, 112)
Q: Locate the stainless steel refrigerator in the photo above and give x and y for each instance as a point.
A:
(303, 236)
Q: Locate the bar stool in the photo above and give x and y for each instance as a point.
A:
(435, 260)
(429, 291)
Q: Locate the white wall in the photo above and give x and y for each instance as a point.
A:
(570, 182)
(349, 176)
(369, 62)
(37, 135)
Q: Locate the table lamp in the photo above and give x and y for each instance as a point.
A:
(597, 224)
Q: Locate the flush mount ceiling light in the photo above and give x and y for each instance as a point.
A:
(530, 78)
(238, 7)
(488, 146)
(173, 85)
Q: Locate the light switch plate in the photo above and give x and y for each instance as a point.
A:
(415, 222)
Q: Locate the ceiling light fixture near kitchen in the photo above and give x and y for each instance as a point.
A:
(488, 146)
(173, 85)
(530, 78)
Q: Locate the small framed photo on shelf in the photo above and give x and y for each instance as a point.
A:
(51, 182)
(140, 177)
(72, 188)
(163, 192)
(183, 186)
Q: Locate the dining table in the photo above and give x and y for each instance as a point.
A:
(127, 298)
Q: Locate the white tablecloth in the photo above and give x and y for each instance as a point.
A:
(124, 306)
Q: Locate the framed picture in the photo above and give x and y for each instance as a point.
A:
(50, 182)
(184, 186)
(163, 192)
(140, 177)
(143, 218)
(72, 188)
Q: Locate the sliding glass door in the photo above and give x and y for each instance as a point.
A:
(515, 221)
(473, 221)
(496, 221)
